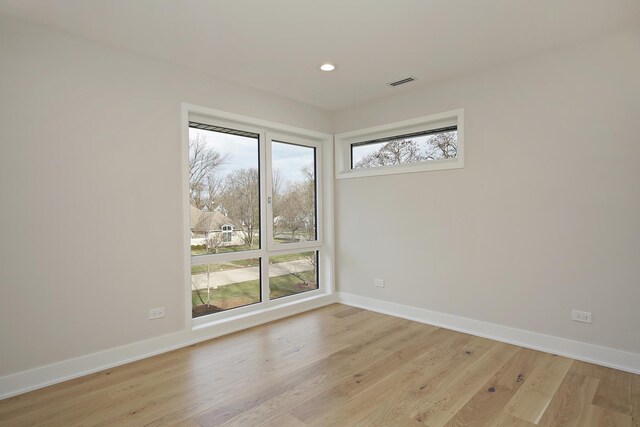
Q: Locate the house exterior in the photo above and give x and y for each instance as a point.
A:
(212, 229)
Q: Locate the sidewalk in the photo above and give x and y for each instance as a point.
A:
(229, 277)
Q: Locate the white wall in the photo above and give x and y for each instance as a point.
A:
(90, 160)
(545, 216)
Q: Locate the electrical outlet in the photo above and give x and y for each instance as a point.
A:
(581, 316)
(378, 282)
(156, 313)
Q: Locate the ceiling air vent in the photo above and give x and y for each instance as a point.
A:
(401, 82)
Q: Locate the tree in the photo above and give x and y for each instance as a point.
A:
(295, 207)
(214, 190)
(308, 197)
(394, 152)
(277, 190)
(292, 213)
(213, 241)
(199, 291)
(442, 146)
(203, 163)
(306, 274)
(241, 203)
(438, 146)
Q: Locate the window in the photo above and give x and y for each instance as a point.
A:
(254, 198)
(437, 144)
(423, 144)
(294, 192)
(224, 188)
(227, 232)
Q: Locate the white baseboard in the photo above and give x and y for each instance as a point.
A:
(605, 356)
(32, 379)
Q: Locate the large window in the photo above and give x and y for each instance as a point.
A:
(417, 145)
(254, 202)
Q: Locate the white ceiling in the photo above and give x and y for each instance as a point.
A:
(277, 45)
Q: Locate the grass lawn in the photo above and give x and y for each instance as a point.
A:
(245, 293)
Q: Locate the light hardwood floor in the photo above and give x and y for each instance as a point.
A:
(340, 366)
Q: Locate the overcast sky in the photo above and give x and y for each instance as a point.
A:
(242, 153)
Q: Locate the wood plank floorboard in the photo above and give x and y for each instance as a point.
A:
(340, 366)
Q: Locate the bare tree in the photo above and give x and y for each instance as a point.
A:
(438, 146)
(309, 201)
(394, 152)
(203, 162)
(277, 190)
(296, 206)
(213, 242)
(241, 203)
(311, 259)
(442, 146)
(199, 291)
(292, 215)
(214, 190)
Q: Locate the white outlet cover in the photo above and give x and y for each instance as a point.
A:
(581, 316)
(379, 283)
(156, 313)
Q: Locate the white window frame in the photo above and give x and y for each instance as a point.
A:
(227, 233)
(344, 142)
(324, 244)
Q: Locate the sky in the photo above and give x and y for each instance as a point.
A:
(242, 153)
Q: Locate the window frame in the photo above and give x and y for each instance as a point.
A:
(227, 233)
(345, 141)
(324, 156)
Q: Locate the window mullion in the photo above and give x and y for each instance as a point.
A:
(265, 170)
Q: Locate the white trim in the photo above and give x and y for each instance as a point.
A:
(257, 307)
(343, 142)
(186, 216)
(32, 379)
(327, 258)
(264, 257)
(605, 356)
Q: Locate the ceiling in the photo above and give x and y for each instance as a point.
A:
(277, 45)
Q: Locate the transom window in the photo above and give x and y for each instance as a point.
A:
(436, 144)
(423, 144)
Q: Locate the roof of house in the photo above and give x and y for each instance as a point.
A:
(211, 221)
(195, 214)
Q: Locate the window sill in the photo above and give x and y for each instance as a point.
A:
(249, 316)
(434, 165)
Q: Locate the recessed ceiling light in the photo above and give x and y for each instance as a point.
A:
(327, 67)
